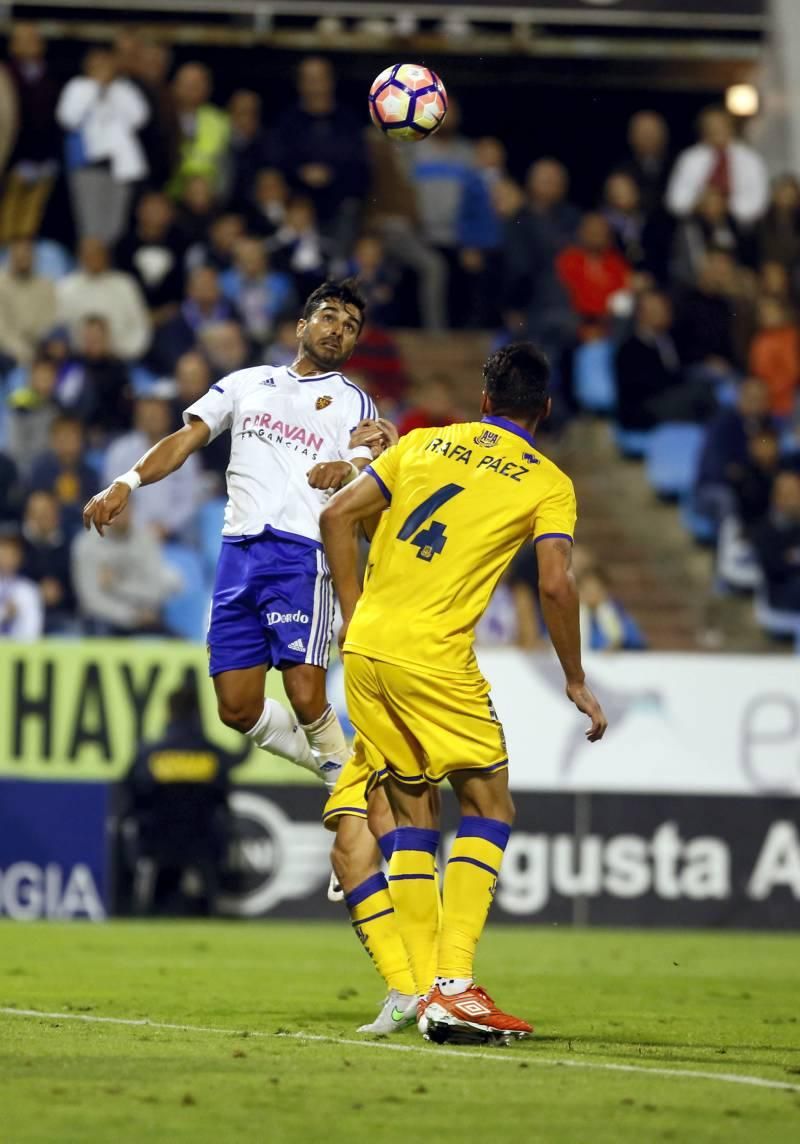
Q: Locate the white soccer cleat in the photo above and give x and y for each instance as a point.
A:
(335, 891)
(398, 1011)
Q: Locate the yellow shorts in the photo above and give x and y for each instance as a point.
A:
(349, 796)
(420, 727)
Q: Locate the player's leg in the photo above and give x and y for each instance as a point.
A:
(472, 869)
(295, 597)
(413, 877)
(384, 738)
(242, 705)
(356, 859)
(457, 1009)
(239, 656)
(462, 741)
(305, 689)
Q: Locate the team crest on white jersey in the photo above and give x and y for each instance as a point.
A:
(322, 402)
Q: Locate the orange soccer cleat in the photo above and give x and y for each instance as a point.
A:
(468, 1018)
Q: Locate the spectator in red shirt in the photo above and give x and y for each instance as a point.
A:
(434, 405)
(775, 355)
(592, 271)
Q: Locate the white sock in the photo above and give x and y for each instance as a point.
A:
(278, 732)
(328, 745)
(449, 986)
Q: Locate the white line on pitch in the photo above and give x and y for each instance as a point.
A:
(387, 1046)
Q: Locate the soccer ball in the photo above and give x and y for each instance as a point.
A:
(408, 101)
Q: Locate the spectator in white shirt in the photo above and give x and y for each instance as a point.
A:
(721, 161)
(164, 509)
(122, 580)
(102, 113)
(97, 290)
(21, 607)
(27, 304)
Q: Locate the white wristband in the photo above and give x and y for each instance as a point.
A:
(131, 479)
(354, 472)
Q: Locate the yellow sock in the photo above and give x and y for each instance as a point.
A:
(469, 884)
(375, 923)
(414, 888)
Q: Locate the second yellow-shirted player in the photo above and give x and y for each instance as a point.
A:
(457, 504)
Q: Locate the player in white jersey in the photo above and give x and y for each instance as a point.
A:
(295, 434)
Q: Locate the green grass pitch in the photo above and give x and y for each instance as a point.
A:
(664, 1004)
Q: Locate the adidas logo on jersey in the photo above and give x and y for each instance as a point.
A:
(297, 645)
(268, 381)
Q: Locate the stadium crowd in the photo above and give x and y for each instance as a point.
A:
(197, 229)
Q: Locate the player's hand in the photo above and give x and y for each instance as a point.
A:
(389, 434)
(367, 432)
(377, 435)
(585, 701)
(329, 475)
(105, 506)
(342, 636)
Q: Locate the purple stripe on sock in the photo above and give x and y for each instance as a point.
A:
(414, 838)
(474, 862)
(386, 844)
(373, 885)
(372, 917)
(490, 829)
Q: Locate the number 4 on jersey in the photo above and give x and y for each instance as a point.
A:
(431, 540)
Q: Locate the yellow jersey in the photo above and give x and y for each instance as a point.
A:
(463, 499)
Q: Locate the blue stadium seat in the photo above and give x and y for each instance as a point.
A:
(50, 259)
(595, 383)
(210, 519)
(632, 443)
(698, 524)
(186, 614)
(142, 380)
(672, 456)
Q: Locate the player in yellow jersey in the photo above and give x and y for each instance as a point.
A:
(458, 503)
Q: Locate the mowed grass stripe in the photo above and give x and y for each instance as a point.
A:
(497, 1055)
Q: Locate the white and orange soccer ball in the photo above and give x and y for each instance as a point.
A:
(408, 101)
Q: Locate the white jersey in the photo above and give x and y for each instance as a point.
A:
(281, 424)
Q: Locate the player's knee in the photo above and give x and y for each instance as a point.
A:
(306, 693)
(241, 715)
(346, 865)
(510, 810)
(379, 814)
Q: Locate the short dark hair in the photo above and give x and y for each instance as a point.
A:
(346, 291)
(516, 380)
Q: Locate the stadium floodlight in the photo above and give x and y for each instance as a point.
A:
(741, 99)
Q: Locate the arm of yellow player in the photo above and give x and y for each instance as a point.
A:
(164, 458)
(558, 595)
(331, 475)
(362, 499)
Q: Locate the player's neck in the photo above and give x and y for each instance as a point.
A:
(306, 366)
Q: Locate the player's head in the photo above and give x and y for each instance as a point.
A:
(516, 384)
(332, 320)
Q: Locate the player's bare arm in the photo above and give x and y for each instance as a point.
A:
(354, 504)
(164, 458)
(378, 435)
(558, 594)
